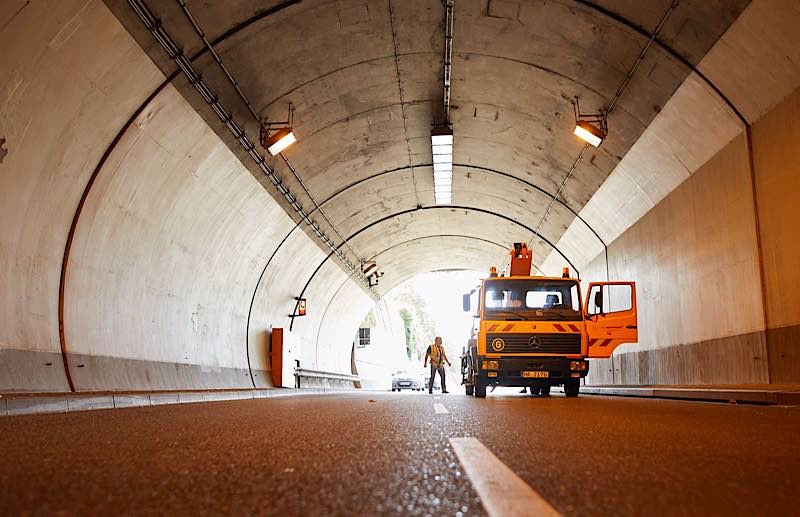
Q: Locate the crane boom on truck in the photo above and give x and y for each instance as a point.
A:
(534, 331)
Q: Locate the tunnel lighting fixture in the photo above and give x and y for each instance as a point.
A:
(283, 136)
(370, 271)
(368, 268)
(591, 128)
(442, 152)
(588, 133)
(280, 140)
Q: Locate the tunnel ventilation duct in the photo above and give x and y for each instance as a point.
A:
(153, 25)
(442, 148)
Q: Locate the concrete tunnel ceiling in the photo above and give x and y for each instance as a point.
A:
(365, 78)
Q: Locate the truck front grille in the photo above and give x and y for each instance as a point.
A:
(535, 343)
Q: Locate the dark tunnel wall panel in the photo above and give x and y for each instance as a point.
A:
(694, 258)
(62, 105)
(165, 258)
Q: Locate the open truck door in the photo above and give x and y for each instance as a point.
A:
(610, 315)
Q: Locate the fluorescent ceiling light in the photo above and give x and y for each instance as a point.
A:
(442, 139)
(442, 152)
(282, 139)
(442, 135)
(589, 133)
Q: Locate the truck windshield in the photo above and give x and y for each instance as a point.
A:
(536, 300)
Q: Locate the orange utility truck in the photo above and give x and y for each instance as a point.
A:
(534, 331)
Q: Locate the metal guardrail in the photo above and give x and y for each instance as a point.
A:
(318, 374)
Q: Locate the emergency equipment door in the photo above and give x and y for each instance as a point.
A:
(610, 317)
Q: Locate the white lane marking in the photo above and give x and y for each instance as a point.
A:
(502, 492)
(440, 409)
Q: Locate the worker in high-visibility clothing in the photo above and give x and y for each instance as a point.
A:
(438, 358)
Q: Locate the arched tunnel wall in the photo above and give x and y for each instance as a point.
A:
(695, 257)
(136, 248)
(171, 240)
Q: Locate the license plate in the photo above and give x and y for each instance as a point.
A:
(536, 375)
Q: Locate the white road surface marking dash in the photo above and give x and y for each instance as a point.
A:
(440, 409)
(502, 492)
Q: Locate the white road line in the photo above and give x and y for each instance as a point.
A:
(440, 409)
(502, 492)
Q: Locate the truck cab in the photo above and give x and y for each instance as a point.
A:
(537, 332)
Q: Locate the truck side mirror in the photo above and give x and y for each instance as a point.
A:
(465, 302)
(598, 301)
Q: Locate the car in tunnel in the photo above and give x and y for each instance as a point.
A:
(405, 380)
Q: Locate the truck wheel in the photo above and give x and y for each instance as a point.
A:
(470, 389)
(544, 391)
(480, 390)
(572, 387)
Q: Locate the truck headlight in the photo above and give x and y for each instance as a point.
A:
(577, 365)
(490, 365)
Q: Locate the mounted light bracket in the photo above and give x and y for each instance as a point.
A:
(282, 138)
(591, 128)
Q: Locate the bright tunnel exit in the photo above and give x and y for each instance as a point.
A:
(392, 340)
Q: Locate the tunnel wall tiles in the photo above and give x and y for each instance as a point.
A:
(776, 139)
(61, 107)
(695, 260)
(757, 357)
(738, 359)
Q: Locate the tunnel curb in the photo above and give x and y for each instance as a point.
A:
(42, 403)
(739, 395)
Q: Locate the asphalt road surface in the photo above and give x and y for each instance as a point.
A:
(386, 453)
